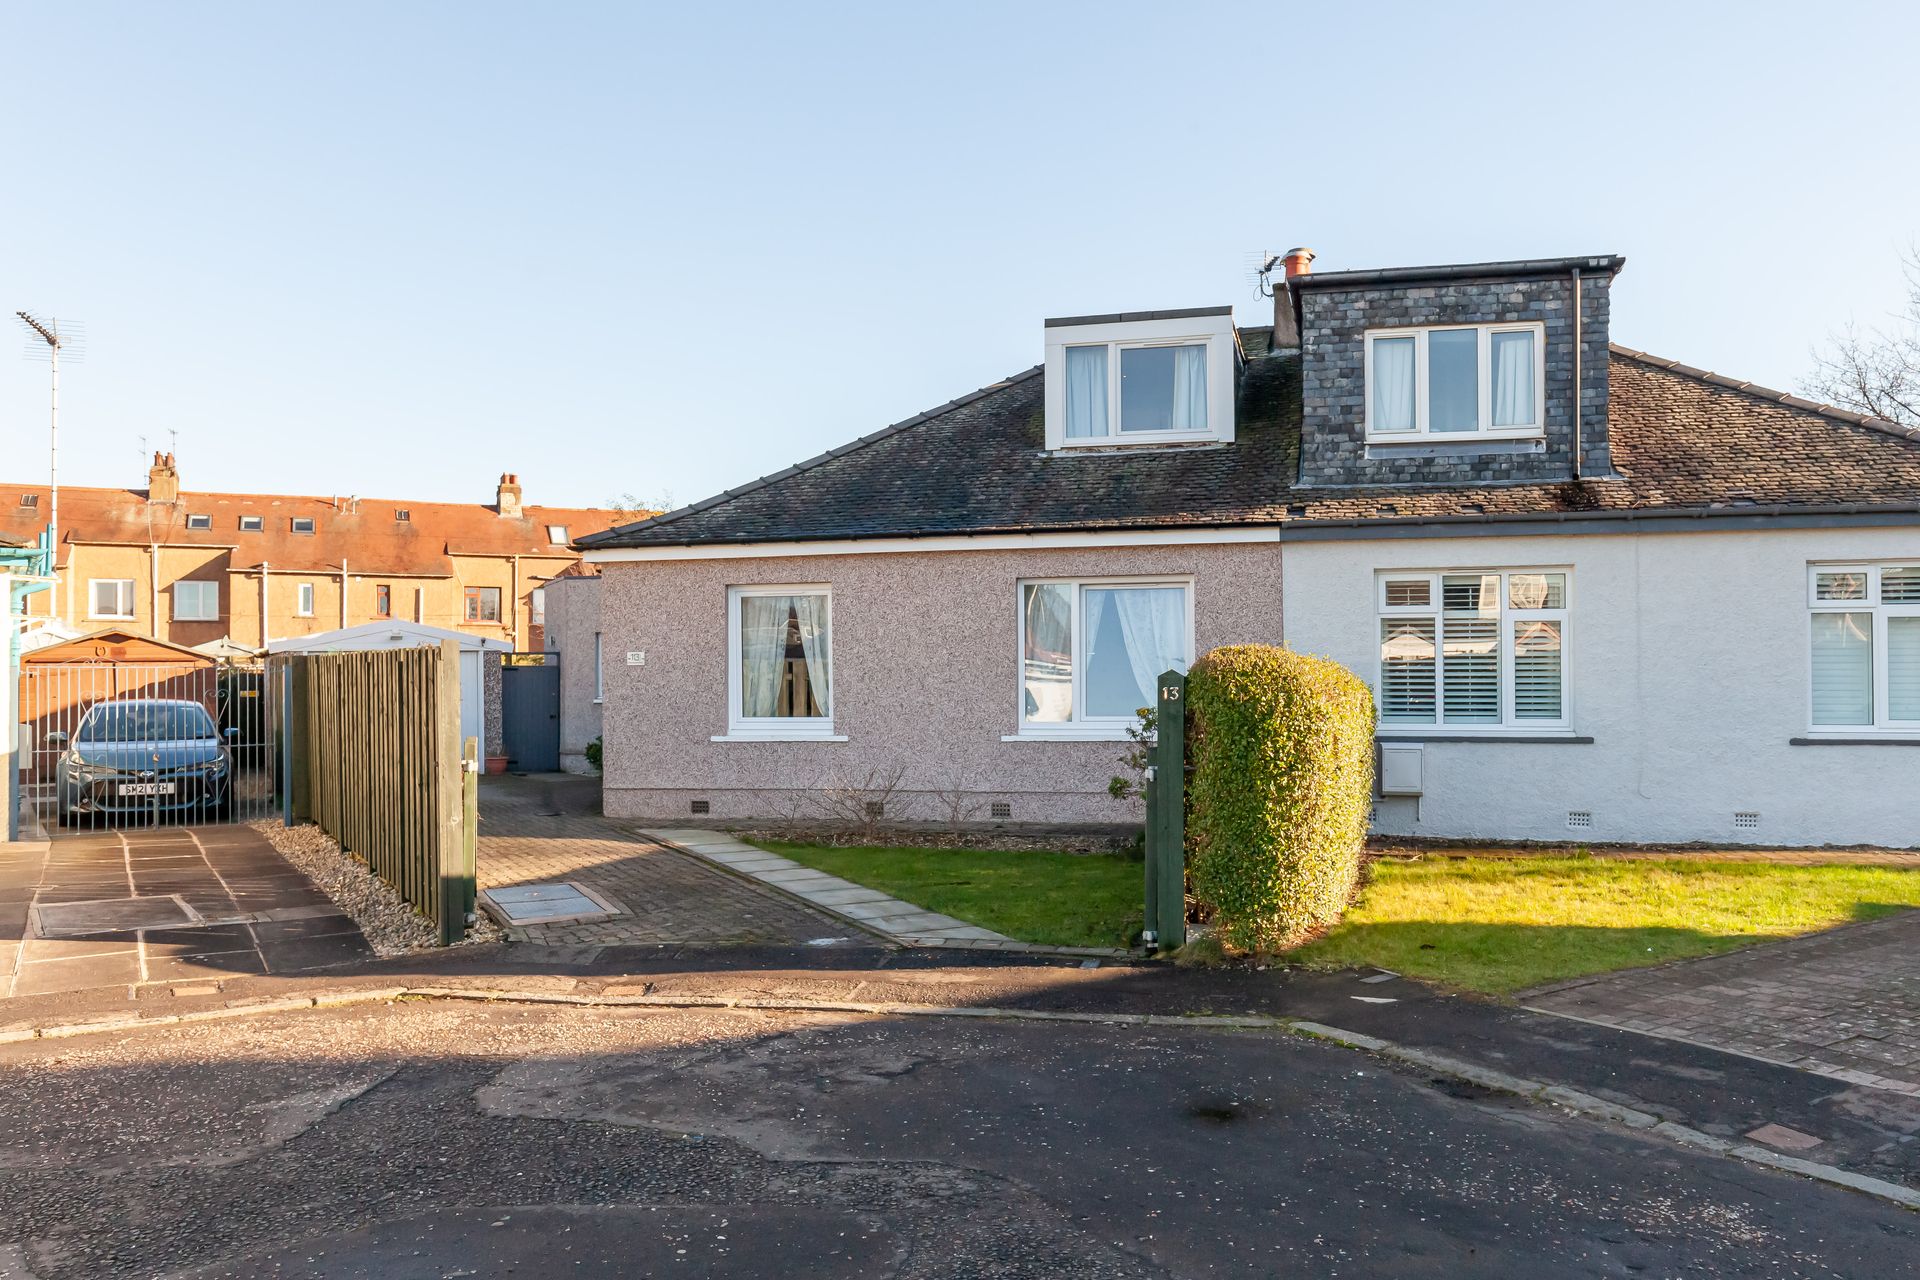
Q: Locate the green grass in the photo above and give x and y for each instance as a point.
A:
(1502, 925)
(1058, 899)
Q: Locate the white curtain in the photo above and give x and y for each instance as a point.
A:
(763, 646)
(1153, 622)
(1513, 380)
(1048, 664)
(812, 613)
(1189, 389)
(1392, 408)
(1086, 392)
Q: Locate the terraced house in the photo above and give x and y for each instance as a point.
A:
(1599, 594)
(235, 570)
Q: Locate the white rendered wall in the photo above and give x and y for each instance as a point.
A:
(1688, 667)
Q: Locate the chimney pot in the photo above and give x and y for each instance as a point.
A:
(1298, 262)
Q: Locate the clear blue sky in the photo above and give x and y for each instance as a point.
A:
(395, 249)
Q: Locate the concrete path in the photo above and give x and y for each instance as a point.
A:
(1844, 1003)
(547, 829)
(167, 906)
(898, 921)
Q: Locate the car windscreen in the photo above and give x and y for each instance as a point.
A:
(147, 722)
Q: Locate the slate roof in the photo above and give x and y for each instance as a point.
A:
(1681, 439)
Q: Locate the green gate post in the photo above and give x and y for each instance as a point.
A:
(1167, 816)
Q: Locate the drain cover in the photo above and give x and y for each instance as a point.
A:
(112, 915)
(563, 902)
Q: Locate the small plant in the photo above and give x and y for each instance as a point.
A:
(957, 802)
(861, 806)
(1139, 754)
(593, 755)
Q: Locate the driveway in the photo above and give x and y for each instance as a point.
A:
(1844, 1003)
(159, 906)
(438, 1140)
(544, 828)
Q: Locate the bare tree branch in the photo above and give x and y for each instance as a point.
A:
(1877, 372)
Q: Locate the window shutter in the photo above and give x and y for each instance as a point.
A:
(1903, 668)
(1900, 586)
(1843, 668)
(1471, 670)
(1406, 671)
(1536, 671)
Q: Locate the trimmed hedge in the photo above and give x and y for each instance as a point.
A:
(1282, 752)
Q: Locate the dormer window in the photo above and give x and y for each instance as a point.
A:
(201, 521)
(402, 514)
(1458, 381)
(1162, 377)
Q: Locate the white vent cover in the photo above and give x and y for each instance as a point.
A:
(1579, 819)
(1747, 821)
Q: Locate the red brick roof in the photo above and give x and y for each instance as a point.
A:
(362, 531)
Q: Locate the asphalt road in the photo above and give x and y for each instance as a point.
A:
(442, 1140)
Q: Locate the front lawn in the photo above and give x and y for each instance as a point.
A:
(1056, 899)
(1502, 925)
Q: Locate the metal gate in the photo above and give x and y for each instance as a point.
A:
(530, 711)
(118, 744)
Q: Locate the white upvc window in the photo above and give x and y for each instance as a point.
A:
(1473, 650)
(1453, 381)
(780, 662)
(196, 601)
(1092, 651)
(599, 671)
(1145, 381)
(303, 600)
(110, 598)
(1864, 670)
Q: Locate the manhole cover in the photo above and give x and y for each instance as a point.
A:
(112, 915)
(563, 902)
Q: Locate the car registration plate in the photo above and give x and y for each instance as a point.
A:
(146, 788)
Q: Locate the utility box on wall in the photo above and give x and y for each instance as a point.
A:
(1402, 768)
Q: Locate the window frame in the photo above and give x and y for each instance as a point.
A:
(1215, 332)
(253, 524)
(1484, 363)
(303, 599)
(383, 599)
(125, 592)
(199, 520)
(294, 523)
(560, 541)
(472, 606)
(743, 728)
(600, 670)
(1081, 726)
(1881, 611)
(1509, 725)
(179, 616)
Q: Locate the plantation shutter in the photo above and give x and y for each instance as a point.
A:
(1536, 671)
(1843, 668)
(1406, 670)
(1903, 668)
(1470, 648)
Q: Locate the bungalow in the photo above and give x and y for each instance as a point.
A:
(1599, 594)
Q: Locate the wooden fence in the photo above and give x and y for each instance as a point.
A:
(375, 758)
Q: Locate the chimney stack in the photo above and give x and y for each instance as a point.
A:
(1286, 324)
(507, 497)
(1298, 262)
(163, 479)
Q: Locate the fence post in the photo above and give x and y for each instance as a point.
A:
(298, 732)
(1167, 816)
(470, 833)
(449, 797)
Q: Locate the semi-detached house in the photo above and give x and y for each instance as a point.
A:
(1599, 594)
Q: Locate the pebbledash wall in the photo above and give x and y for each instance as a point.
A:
(925, 654)
(1687, 667)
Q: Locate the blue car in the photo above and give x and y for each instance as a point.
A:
(144, 757)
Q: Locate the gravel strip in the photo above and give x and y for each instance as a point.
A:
(391, 924)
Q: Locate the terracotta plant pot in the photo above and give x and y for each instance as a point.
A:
(496, 764)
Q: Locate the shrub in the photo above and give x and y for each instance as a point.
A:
(593, 754)
(1282, 753)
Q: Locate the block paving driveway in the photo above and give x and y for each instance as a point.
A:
(547, 828)
(167, 905)
(1844, 1003)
